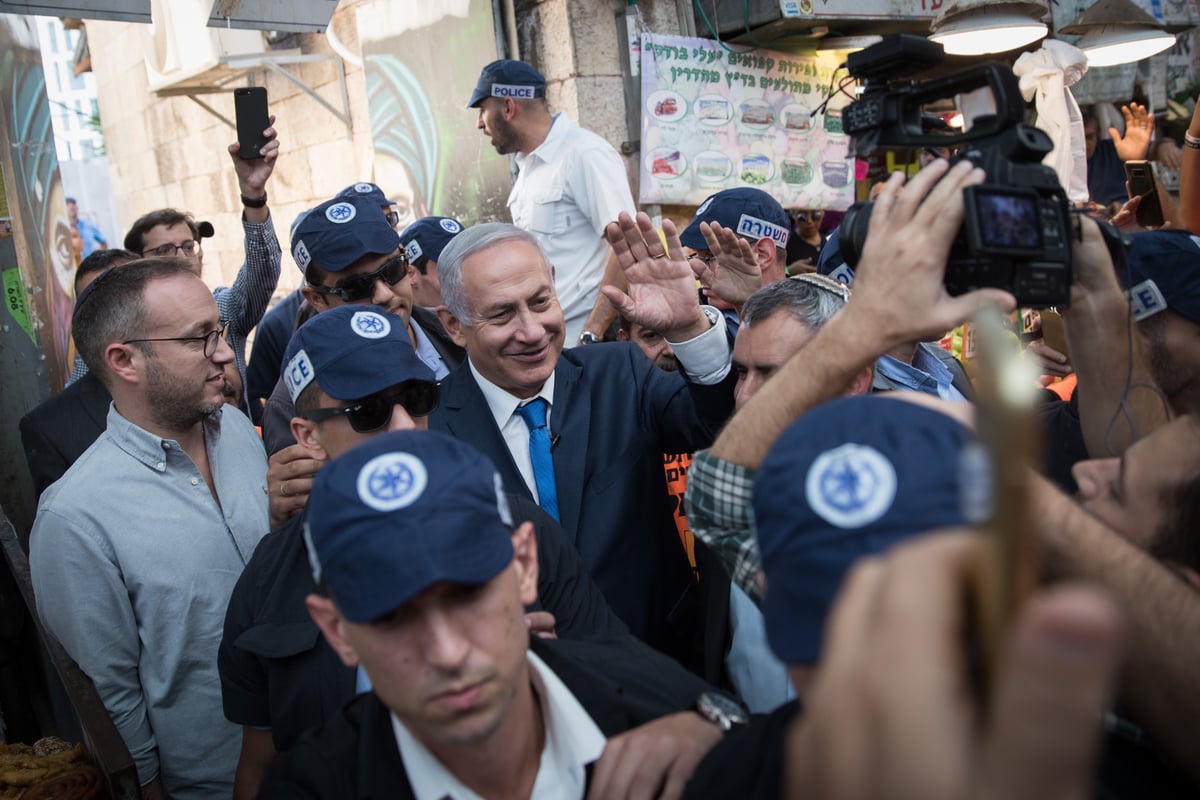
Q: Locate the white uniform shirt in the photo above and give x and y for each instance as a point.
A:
(568, 190)
(573, 741)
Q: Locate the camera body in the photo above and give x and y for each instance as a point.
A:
(1016, 227)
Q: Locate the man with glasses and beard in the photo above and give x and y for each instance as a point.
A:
(134, 552)
(351, 255)
(168, 232)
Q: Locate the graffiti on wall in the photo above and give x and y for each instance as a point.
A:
(419, 74)
(35, 198)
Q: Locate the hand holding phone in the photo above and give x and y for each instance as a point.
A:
(1142, 184)
(250, 110)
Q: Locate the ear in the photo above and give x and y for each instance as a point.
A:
(304, 431)
(123, 362)
(314, 298)
(453, 327)
(524, 542)
(622, 335)
(862, 382)
(326, 615)
(764, 252)
(509, 108)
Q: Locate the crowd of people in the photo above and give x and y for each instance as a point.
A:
(581, 506)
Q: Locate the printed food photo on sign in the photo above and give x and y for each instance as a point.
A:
(796, 118)
(666, 163)
(667, 106)
(712, 166)
(757, 114)
(833, 122)
(796, 171)
(713, 110)
(835, 173)
(757, 169)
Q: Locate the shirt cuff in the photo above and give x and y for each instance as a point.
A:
(705, 358)
(247, 225)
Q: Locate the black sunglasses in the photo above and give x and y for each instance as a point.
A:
(362, 287)
(370, 414)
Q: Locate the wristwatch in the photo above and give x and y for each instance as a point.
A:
(722, 711)
(587, 337)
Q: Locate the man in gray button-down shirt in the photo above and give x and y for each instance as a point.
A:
(136, 549)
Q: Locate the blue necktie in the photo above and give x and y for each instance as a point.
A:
(534, 414)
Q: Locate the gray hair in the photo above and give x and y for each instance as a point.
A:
(466, 244)
(810, 299)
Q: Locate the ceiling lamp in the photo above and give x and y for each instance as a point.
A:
(1118, 32)
(977, 27)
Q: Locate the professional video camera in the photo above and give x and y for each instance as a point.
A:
(1016, 231)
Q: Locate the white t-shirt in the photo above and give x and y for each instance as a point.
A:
(568, 190)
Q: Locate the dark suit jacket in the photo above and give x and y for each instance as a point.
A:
(355, 755)
(57, 432)
(427, 320)
(614, 415)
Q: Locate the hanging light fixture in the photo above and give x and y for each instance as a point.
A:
(1118, 32)
(977, 27)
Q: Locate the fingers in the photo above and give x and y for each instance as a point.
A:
(1057, 677)
(674, 249)
(622, 302)
(541, 623)
(625, 236)
(654, 760)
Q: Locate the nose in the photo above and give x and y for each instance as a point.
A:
(445, 644)
(384, 295)
(529, 327)
(401, 420)
(479, 123)
(746, 386)
(224, 352)
(1094, 475)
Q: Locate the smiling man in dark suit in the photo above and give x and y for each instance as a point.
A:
(582, 432)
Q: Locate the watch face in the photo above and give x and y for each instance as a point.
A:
(721, 710)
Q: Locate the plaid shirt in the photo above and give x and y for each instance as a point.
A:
(720, 514)
(244, 303)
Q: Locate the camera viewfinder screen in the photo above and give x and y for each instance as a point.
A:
(1009, 221)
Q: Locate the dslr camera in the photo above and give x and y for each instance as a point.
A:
(1016, 228)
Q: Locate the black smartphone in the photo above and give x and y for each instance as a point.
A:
(1141, 183)
(250, 110)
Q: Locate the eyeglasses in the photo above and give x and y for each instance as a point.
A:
(188, 248)
(706, 259)
(370, 414)
(362, 287)
(393, 217)
(809, 216)
(210, 339)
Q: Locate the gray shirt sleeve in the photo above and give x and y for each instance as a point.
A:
(101, 635)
